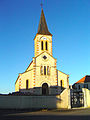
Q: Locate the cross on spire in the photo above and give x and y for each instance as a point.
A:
(41, 4)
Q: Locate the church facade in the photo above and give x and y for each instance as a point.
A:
(42, 77)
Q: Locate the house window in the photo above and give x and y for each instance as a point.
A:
(46, 45)
(26, 84)
(41, 70)
(41, 45)
(44, 70)
(86, 86)
(79, 87)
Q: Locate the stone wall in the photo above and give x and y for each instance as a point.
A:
(86, 97)
(36, 102)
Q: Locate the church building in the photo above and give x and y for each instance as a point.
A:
(41, 76)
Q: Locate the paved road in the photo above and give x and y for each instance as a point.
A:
(79, 114)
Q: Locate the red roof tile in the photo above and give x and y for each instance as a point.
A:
(84, 79)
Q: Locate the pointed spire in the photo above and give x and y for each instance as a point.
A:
(42, 28)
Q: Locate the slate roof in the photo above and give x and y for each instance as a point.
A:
(42, 28)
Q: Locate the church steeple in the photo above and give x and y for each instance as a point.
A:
(42, 28)
(43, 38)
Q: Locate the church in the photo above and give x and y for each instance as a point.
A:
(41, 76)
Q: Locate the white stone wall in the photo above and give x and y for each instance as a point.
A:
(17, 85)
(27, 76)
(37, 102)
(49, 79)
(86, 97)
(37, 44)
(64, 77)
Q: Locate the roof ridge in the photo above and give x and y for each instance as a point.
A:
(82, 79)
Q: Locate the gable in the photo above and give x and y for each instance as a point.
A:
(30, 66)
(45, 59)
(85, 79)
(60, 72)
(62, 76)
(45, 53)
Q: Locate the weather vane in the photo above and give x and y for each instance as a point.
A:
(41, 4)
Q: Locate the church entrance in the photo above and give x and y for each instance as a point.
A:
(45, 90)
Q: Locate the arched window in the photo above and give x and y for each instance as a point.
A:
(26, 84)
(44, 70)
(48, 70)
(46, 45)
(41, 45)
(41, 70)
(61, 84)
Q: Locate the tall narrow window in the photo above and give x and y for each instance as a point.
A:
(61, 84)
(46, 45)
(48, 70)
(79, 87)
(44, 70)
(41, 45)
(26, 84)
(41, 70)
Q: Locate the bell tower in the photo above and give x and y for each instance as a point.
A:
(43, 38)
(42, 77)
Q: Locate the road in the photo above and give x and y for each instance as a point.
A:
(77, 114)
